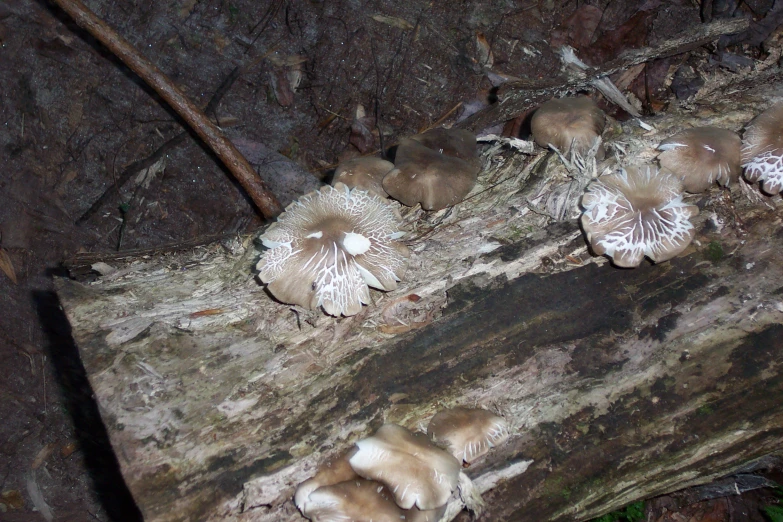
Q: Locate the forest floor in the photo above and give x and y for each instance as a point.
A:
(319, 82)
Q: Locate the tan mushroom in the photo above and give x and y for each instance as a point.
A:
(410, 466)
(468, 433)
(637, 212)
(701, 156)
(365, 173)
(762, 150)
(327, 247)
(436, 169)
(569, 124)
(356, 500)
(331, 472)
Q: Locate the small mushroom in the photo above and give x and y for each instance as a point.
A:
(415, 471)
(355, 500)
(468, 433)
(569, 124)
(437, 169)
(637, 212)
(331, 472)
(762, 150)
(701, 156)
(365, 173)
(329, 246)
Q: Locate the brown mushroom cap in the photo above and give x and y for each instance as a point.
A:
(365, 173)
(701, 156)
(415, 471)
(566, 121)
(354, 500)
(327, 247)
(468, 433)
(637, 212)
(762, 149)
(437, 169)
(331, 472)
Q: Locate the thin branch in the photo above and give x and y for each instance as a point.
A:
(258, 191)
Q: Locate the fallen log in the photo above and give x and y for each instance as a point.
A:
(619, 384)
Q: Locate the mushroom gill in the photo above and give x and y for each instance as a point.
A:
(415, 471)
(701, 156)
(468, 433)
(437, 169)
(329, 246)
(762, 150)
(637, 212)
(569, 124)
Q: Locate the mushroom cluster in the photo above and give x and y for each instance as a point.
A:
(762, 150)
(397, 473)
(637, 212)
(329, 247)
(569, 124)
(701, 156)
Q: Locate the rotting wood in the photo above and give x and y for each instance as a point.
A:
(620, 384)
(517, 97)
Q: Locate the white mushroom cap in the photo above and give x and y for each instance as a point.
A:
(701, 156)
(637, 212)
(415, 471)
(365, 173)
(327, 247)
(762, 150)
(468, 433)
(355, 500)
(331, 472)
(568, 122)
(437, 169)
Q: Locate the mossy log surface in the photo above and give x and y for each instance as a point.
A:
(619, 384)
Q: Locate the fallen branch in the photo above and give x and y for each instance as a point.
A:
(236, 163)
(520, 96)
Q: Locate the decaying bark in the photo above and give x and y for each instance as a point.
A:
(620, 384)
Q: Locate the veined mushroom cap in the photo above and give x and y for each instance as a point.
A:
(416, 471)
(566, 121)
(762, 149)
(437, 169)
(356, 500)
(637, 212)
(701, 156)
(328, 246)
(468, 433)
(365, 173)
(331, 472)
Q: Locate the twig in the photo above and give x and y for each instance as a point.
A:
(236, 163)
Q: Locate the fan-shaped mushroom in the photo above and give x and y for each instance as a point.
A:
(468, 433)
(415, 471)
(331, 472)
(437, 169)
(701, 156)
(637, 212)
(354, 500)
(762, 150)
(327, 247)
(569, 123)
(365, 173)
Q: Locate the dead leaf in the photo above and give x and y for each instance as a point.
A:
(186, 8)
(485, 56)
(7, 266)
(362, 136)
(393, 21)
(578, 29)
(12, 498)
(44, 454)
(281, 87)
(68, 449)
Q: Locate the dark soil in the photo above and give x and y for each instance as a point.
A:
(318, 81)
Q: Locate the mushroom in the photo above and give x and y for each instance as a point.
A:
(468, 433)
(331, 472)
(762, 150)
(365, 173)
(437, 169)
(701, 156)
(355, 500)
(569, 124)
(637, 212)
(415, 471)
(329, 246)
